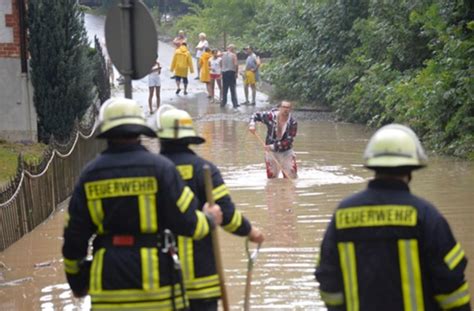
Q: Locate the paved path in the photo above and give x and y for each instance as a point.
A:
(196, 90)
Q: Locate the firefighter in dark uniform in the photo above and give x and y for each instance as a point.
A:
(387, 249)
(176, 133)
(130, 199)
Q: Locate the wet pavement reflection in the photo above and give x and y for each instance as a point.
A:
(292, 214)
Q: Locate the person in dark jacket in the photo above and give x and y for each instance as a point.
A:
(281, 132)
(176, 133)
(132, 200)
(387, 249)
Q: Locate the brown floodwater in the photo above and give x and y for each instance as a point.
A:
(292, 214)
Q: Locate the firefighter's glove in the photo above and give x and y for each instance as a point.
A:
(213, 212)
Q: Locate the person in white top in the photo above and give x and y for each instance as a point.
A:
(154, 85)
(215, 64)
(200, 47)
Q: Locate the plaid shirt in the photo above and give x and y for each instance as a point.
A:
(269, 118)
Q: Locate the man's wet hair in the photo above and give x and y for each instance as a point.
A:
(285, 101)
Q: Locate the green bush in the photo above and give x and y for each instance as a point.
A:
(373, 62)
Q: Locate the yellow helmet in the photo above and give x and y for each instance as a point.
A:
(394, 146)
(176, 124)
(122, 117)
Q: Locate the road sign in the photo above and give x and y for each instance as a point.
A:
(131, 39)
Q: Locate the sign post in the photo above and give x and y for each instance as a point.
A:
(130, 36)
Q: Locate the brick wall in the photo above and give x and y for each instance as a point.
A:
(9, 29)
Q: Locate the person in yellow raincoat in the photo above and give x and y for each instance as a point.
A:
(182, 64)
(205, 73)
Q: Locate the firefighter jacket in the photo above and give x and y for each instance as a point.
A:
(270, 119)
(198, 264)
(128, 197)
(386, 249)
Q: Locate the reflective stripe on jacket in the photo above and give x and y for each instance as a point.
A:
(198, 264)
(127, 191)
(386, 249)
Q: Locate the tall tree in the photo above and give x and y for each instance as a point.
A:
(60, 70)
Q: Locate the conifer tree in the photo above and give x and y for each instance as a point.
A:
(101, 72)
(60, 70)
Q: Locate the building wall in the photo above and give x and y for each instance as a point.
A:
(17, 113)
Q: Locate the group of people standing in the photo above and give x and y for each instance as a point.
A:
(215, 68)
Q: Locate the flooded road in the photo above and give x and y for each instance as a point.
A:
(292, 214)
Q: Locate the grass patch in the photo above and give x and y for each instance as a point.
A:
(32, 153)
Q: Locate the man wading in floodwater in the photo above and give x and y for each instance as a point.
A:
(281, 131)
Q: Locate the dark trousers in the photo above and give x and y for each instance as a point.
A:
(203, 304)
(228, 81)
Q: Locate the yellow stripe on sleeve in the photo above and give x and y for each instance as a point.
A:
(185, 199)
(202, 227)
(220, 192)
(455, 299)
(234, 223)
(71, 266)
(454, 257)
(332, 299)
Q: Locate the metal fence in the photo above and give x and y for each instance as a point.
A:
(36, 190)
